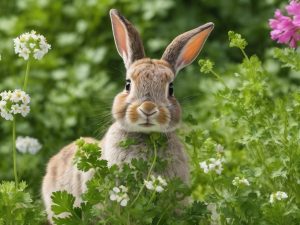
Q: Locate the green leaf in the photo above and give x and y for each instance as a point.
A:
(62, 202)
(88, 157)
(289, 57)
(126, 143)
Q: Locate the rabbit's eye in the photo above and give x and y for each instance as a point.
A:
(127, 86)
(171, 89)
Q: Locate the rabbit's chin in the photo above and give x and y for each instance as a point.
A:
(145, 128)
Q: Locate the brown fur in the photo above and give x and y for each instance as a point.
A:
(147, 106)
(163, 116)
(132, 112)
(119, 106)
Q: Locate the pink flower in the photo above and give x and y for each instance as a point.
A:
(294, 9)
(286, 29)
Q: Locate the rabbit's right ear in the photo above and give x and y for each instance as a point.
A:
(127, 39)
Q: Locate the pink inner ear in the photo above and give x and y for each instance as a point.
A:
(120, 35)
(193, 47)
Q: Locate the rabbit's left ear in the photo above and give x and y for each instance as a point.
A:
(127, 39)
(184, 49)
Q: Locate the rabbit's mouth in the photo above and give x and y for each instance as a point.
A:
(147, 124)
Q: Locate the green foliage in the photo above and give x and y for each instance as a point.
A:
(87, 156)
(259, 127)
(206, 66)
(17, 206)
(289, 57)
(236, 40)
(63, 203)
(127, 143)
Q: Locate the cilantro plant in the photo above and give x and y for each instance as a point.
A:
(258, 125)
(129, 194)
(17, 206)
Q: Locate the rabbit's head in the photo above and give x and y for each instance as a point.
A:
(147, 102)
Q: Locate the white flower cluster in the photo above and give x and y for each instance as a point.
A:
(31, 43)
(212, 165)
(240, 181)
(156, 184)
(28, 145)
(119, 194)
(279, 195)
(14, 102)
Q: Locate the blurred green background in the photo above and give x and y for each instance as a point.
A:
(73, 86)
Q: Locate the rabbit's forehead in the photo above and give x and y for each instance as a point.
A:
(147, 71)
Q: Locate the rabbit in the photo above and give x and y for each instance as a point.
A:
(147, 104)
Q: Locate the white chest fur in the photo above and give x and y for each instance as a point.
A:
(173, 152)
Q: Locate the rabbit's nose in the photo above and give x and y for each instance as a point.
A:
(148, 108)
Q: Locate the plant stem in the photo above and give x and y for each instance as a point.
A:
(244, 53)
(128, 218)
(149, 173)
(151, 198)
(14, 150)
(214, 188)
(154, 159)
(26, 75)
(219, 78)
(162, 215)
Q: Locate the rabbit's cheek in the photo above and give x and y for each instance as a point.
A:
(163, 117)
(175, 111)
(132, 114)
(119, 106)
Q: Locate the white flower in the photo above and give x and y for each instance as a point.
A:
(25, 99)
(219, 148)
(279, 195)
(156, 183)
(219, 170)
(13, 103)
(244, 181)
(15, 109)
(159, 189)
(24, 110)
(240, 181)
(17, 95)
(31, 44)
(149, 185)
(204, 166)
(5, 95)
(113, 197)
(116, 189)
(162, 181)
(28, 145)
(212, 165)
(124, 202)
(2, 104)
(123, 188)
(119, 194)
(6, 115)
